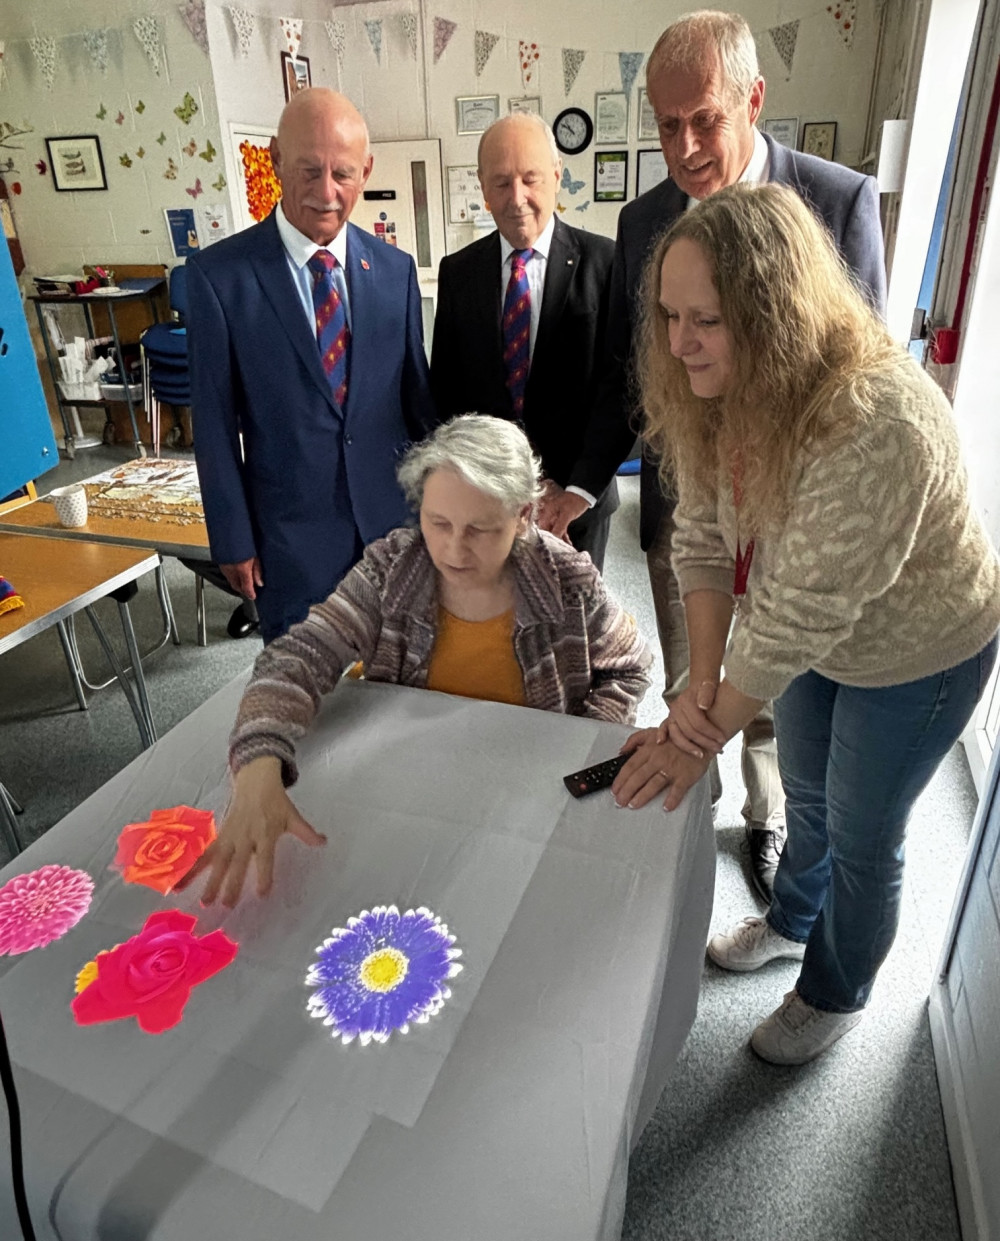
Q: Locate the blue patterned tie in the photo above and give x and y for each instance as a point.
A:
(332, 334)
(517, 329)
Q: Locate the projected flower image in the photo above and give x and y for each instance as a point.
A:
(161, 851)
(42, 906)
(382, 971)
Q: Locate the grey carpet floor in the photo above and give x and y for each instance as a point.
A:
(850, 1147)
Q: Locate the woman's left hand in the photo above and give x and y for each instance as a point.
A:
(656, 767)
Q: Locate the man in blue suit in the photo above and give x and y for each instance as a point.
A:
(707, 93)
(308, 373)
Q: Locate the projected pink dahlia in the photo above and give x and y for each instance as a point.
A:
(42, 906)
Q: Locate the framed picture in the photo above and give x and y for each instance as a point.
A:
(76, 163)
(295, 73)
(526, 103)
(651, 169)
(648, 130)
(610, 117)
(784, 130)
(466, 204)
(476, 113)
(610, 176)
(819, 138)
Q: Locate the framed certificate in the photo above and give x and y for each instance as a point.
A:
(648, 130)
(783, 129)
(611, 117)
(651, 169)
(476, 113)
(610, 176)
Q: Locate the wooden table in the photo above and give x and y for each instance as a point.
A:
(56, 579)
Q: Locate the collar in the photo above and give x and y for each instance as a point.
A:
(301, 248)
(541, 246)
(758, 168)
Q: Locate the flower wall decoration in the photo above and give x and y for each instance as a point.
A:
(382, 971)
(160, 852)
(263, 190)
(151, 976)
(42, 906)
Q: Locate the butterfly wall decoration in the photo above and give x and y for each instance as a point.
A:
(568, 183)
(125, 160)
(171, 173)
(194, 190)
(186, 109)
(209, 153)
(101, 113)
(190, 148)
(219, 183)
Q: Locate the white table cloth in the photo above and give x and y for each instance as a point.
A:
(511, 1114)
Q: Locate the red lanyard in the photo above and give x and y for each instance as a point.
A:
(744, 556)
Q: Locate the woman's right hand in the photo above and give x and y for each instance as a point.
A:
(259, 813)
(688, 725)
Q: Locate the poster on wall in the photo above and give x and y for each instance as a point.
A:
(258, 187)
(182, 230)
(610, 176)
(466, 204)
(212, 223)
(651, 170)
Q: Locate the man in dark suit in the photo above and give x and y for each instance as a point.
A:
(703, 83)
(520, 319)
(308, 373)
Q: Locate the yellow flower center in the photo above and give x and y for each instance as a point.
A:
(383, 969)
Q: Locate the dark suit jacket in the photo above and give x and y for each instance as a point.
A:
(846, 201)
(467, 370)
(314, 482)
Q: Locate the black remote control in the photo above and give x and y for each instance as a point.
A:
(593, 779)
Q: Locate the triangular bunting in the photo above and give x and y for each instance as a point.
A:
(96, 43)
(784, 39)
(147, 31)
(628, 67)
(485, 43)
(193, 16)
(244, 23)
(408, 21)
(373, 27)
(528, 56)
(337, 32)
(572, 59)
(844, 15)
(43, 48)
(291, 32)
(443, 30)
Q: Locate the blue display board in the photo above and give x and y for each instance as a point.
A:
(27, 444)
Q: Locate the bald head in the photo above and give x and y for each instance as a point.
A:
(322, 159)
(519, 169)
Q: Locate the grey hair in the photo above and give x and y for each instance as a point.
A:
(532, 118)
(490, 454)
(688, 44)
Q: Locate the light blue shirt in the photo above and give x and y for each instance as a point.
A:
(299, 249)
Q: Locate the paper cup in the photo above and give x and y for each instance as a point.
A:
(71, 504)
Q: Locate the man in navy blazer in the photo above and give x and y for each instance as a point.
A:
(707, 93)
(297, 477)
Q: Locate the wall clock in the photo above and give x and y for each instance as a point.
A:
(573, 129)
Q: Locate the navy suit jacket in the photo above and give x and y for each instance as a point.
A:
(313, 482)
(846, 201)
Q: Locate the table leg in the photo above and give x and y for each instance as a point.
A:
(137, 672)
(137, 438)
(146, 736)
(167, 606)
(199, 607)
(8, 824)
(73, 662)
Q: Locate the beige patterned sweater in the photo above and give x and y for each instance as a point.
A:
(882, 572)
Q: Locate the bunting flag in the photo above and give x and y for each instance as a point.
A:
(96, 43)
(628, 67)
(528, 56)
(244, 23)
(408, 21)
(443, 30)
(337, 34)
(291, 30)
(784, 39)
(193, 16)
(572, 59)
(147, 31)
(373, 27)
(844, 14)
(43, 48)
(485, 43)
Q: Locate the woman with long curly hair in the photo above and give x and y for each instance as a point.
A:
(821, 487)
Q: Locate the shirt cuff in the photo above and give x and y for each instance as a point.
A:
(584, 495)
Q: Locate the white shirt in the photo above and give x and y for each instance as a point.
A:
(299, 249)
(535, 271)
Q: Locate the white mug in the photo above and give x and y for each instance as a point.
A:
(71, 504)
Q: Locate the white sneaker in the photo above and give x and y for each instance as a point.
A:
(796, 1033)
(751, 944)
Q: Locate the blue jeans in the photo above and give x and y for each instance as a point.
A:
(853, 762)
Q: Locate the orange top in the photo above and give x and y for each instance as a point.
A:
(476, 659)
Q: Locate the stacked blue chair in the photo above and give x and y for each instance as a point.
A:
(165, 375)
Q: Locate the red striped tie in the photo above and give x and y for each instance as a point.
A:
(332, 333)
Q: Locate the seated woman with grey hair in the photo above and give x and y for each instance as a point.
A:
(476, 601)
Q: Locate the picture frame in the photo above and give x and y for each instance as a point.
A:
(610, 176)
(295, 74)
(525, 103)
(466, 202)
(647, 129)
(610, 117)
(651, 169)
(77, 163)
(783, 129)
(474, 114)
(819, 138)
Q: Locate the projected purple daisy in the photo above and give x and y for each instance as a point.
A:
(382, 971)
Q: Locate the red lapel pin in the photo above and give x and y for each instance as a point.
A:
(364, 264)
